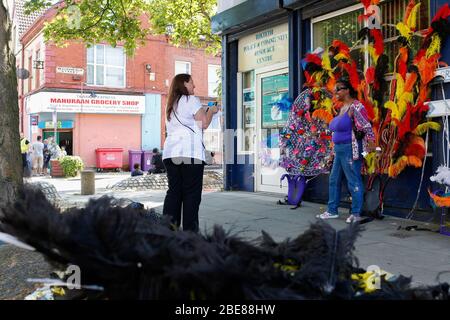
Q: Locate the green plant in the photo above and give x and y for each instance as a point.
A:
(71, 165)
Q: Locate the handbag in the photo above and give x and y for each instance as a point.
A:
(209, 155)
(359, 135)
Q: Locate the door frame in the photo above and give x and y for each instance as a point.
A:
(261, 73)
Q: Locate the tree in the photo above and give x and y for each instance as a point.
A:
(187, 22)
(113, 21)
(10, 161)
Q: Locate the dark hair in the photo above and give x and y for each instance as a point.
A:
(39, 138)
(136, 166)
(353, 93)
(155, 150)
(176, 91)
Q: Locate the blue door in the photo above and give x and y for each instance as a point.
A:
(151, 122)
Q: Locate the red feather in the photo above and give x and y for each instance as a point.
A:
(378, 43)
(402, 67)
(366, 3)
(313, 58)
(443, 13)
(370, 75)
(352, 74)
(421, 53)
(341, 47)
(404, 126)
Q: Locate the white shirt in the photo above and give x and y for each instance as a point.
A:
(181, 141)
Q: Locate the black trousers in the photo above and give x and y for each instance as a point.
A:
(185, 190)
(24, 160)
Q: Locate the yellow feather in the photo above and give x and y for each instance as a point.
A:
(395, 169)
(326, 64)
(403, 103)
(372, 53)
(370, 162)
(435, 46)
(393, 107)
(340, 56)
(327, 104)
(422, 128)
(412, 19)
(404, 30)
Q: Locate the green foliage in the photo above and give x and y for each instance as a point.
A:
(123, 22)
(187, 22)
(93, 21)
(71, 165)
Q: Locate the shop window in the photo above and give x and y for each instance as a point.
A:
(247, 113)
(343, 25)
(213, 79)
(106, 66)
(182, 67)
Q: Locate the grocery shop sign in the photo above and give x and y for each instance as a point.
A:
(85, 103)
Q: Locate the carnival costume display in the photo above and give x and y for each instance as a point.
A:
(397, 110)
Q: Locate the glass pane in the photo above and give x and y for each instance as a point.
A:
(100, 75)
(100, 52)
(114, 77)
(344, 28)
(114, 57)
(90, 74)
(248, 111)
(90, 55)
(273, 89)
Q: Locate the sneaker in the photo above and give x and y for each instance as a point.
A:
(352, 219)
(326, 215)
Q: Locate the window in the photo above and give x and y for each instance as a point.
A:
(343, 25)
(213, 79)
(182, 67)
(38, 71)
(106, 66)
(247, 113)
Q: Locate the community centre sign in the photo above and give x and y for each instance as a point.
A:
(269, 46)
(84, 103)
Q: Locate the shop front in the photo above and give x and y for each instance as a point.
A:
(262, 52)
(263, 79)
(83, 123)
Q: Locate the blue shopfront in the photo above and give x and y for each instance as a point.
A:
(263, 43)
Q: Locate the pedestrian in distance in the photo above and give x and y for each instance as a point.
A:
(184, 152)
(38, 156)
(157, 162)
(137, 170)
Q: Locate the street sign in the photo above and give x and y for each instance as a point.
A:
(70, 70)
(34, 120)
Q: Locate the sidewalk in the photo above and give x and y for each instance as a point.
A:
(421, 254)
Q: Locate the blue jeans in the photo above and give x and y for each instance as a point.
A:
(344, 164)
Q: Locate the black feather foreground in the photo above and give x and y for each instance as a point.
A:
(134, 253)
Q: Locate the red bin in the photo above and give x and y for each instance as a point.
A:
(109, 158)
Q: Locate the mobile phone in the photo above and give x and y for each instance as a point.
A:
(212, 103)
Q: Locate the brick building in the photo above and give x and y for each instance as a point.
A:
(98, 96)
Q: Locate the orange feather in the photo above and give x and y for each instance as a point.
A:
(440, 201)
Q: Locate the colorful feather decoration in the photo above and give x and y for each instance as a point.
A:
(402, 62)
(323, 115)
(395, 169)
(378, 43)
(434, 47)
(438, 200)
(422, 128)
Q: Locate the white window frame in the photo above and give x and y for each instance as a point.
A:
(211, 91)
(186, 63)
(105, 66)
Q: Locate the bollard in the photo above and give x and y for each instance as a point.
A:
(87, 182)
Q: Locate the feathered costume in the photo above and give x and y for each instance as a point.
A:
(133, 254)
(397, 110)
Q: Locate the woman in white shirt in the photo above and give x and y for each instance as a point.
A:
(184, 151)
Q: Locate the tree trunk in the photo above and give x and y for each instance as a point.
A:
(10, 158)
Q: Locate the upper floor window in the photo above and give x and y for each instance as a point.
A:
(106, 66)
(213, 79)
(182, 67)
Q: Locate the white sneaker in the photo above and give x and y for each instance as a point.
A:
(352, 219)
(326, 215)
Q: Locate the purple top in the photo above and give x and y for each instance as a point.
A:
(342, 129)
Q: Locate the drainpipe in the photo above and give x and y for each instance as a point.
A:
(22, 104)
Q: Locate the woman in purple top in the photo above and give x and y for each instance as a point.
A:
(348, 148)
